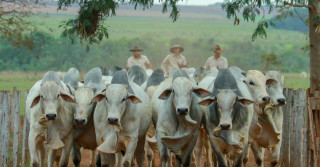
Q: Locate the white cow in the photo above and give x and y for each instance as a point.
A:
(303, 74)
(271, 121)
(122, 118)
(177, 117)
(51, 120)
(255, 82)
(84, 133)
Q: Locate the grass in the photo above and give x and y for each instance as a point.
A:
(293, 80)
(164, 29)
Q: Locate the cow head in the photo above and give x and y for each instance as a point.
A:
(226, 101)
(117, 98)
(181, 93)
(274, 84)
(84, 105)
(50, 99)
(256, 82)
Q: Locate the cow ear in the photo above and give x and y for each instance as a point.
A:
(165, 94)
(244, 73)
(99, 97)
(201, 92)
(271, 82)
(35, 101)
(244, 101)
(207, 102)
(67, 98)
(134, 99)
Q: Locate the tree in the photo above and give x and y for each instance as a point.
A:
(251, 8)
(268, 60)
(14, 24)
(87, 26)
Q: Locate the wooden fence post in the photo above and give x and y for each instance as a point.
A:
(25, 137)
(297, 141)
(1, 120)
(305, 153)
(5, 135)
(285, 146)
(16, 130)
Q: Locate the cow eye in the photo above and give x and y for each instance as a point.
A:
(41, 97)
(58, 96)
(251, 83)
(123, 100)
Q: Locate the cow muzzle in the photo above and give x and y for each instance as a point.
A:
(113, 121)
(182, 111)
(281, 101)
(266, 99)
(80, 122)
(225, 126)
(51, 116)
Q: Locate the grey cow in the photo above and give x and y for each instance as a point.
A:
(50, 114)
(177, 117)
(227, 119)
(84, 134)
(122, 118)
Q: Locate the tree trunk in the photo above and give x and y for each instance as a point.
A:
(314, 48)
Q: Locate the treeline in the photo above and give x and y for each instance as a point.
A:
(293, 20)
(59, 54)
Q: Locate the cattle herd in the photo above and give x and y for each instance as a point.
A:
(127, 116)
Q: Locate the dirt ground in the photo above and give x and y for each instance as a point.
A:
(86, 154)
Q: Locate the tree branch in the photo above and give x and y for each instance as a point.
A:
(285, 3)
(300, 17)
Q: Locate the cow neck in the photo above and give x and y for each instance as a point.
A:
(269, 116)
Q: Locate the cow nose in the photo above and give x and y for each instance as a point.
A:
(182, 111)
(266, 99)
(80, 121)
(113, 120)
(51, 116)
(225, 126)
(282, 101)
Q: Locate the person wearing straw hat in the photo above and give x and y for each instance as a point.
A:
(174, 60)
(217, 61)
(138, 59)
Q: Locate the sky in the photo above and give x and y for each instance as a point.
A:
(195, 2)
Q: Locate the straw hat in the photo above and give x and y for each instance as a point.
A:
(176, 46)
(217, 48)
(135, 48)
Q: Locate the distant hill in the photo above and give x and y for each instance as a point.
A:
(215, 4)
(212, 11)
(293, 22)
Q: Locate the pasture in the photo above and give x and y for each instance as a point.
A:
(155, 33)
